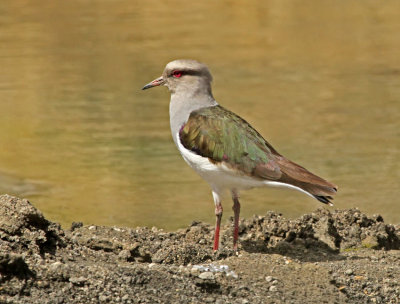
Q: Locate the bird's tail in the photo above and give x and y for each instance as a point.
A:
(300, 177)
(324, 199)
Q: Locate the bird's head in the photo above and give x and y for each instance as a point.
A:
(184, 75)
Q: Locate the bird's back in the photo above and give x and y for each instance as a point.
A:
(225, 138)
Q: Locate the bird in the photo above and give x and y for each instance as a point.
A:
(223, 148)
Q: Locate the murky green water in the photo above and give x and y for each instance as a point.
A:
(320, 80)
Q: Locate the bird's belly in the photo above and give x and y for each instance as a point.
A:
(219, 176)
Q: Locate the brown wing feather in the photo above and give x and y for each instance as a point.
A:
(296, 175)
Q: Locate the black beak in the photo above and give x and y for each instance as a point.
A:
(155, 83)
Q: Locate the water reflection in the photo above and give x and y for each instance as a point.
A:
(319, 80)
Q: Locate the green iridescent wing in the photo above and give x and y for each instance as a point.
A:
(224, 137)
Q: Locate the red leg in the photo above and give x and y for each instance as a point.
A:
(218, 214)
(236, 211)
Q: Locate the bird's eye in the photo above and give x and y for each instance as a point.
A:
(177, 74)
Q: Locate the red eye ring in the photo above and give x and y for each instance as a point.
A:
(177, 74)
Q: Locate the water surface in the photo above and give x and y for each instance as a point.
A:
(320, 80)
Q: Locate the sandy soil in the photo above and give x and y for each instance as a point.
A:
(323, 257)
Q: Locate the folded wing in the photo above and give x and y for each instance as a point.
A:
(225, 138)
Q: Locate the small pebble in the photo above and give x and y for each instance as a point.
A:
(55, 266)
(125, 297)
(77, 281)
(273, 288)
(349, 272)
(124, 254)
(232, 274)
(207, 275)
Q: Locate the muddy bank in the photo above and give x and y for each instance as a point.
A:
(323, 257)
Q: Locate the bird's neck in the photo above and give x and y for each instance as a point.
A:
(184, 102)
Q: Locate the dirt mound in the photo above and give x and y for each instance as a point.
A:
(340, 256)
(321, 230)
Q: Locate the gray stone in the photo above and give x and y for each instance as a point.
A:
(349, 271)
(273, 288)
(207, 275)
